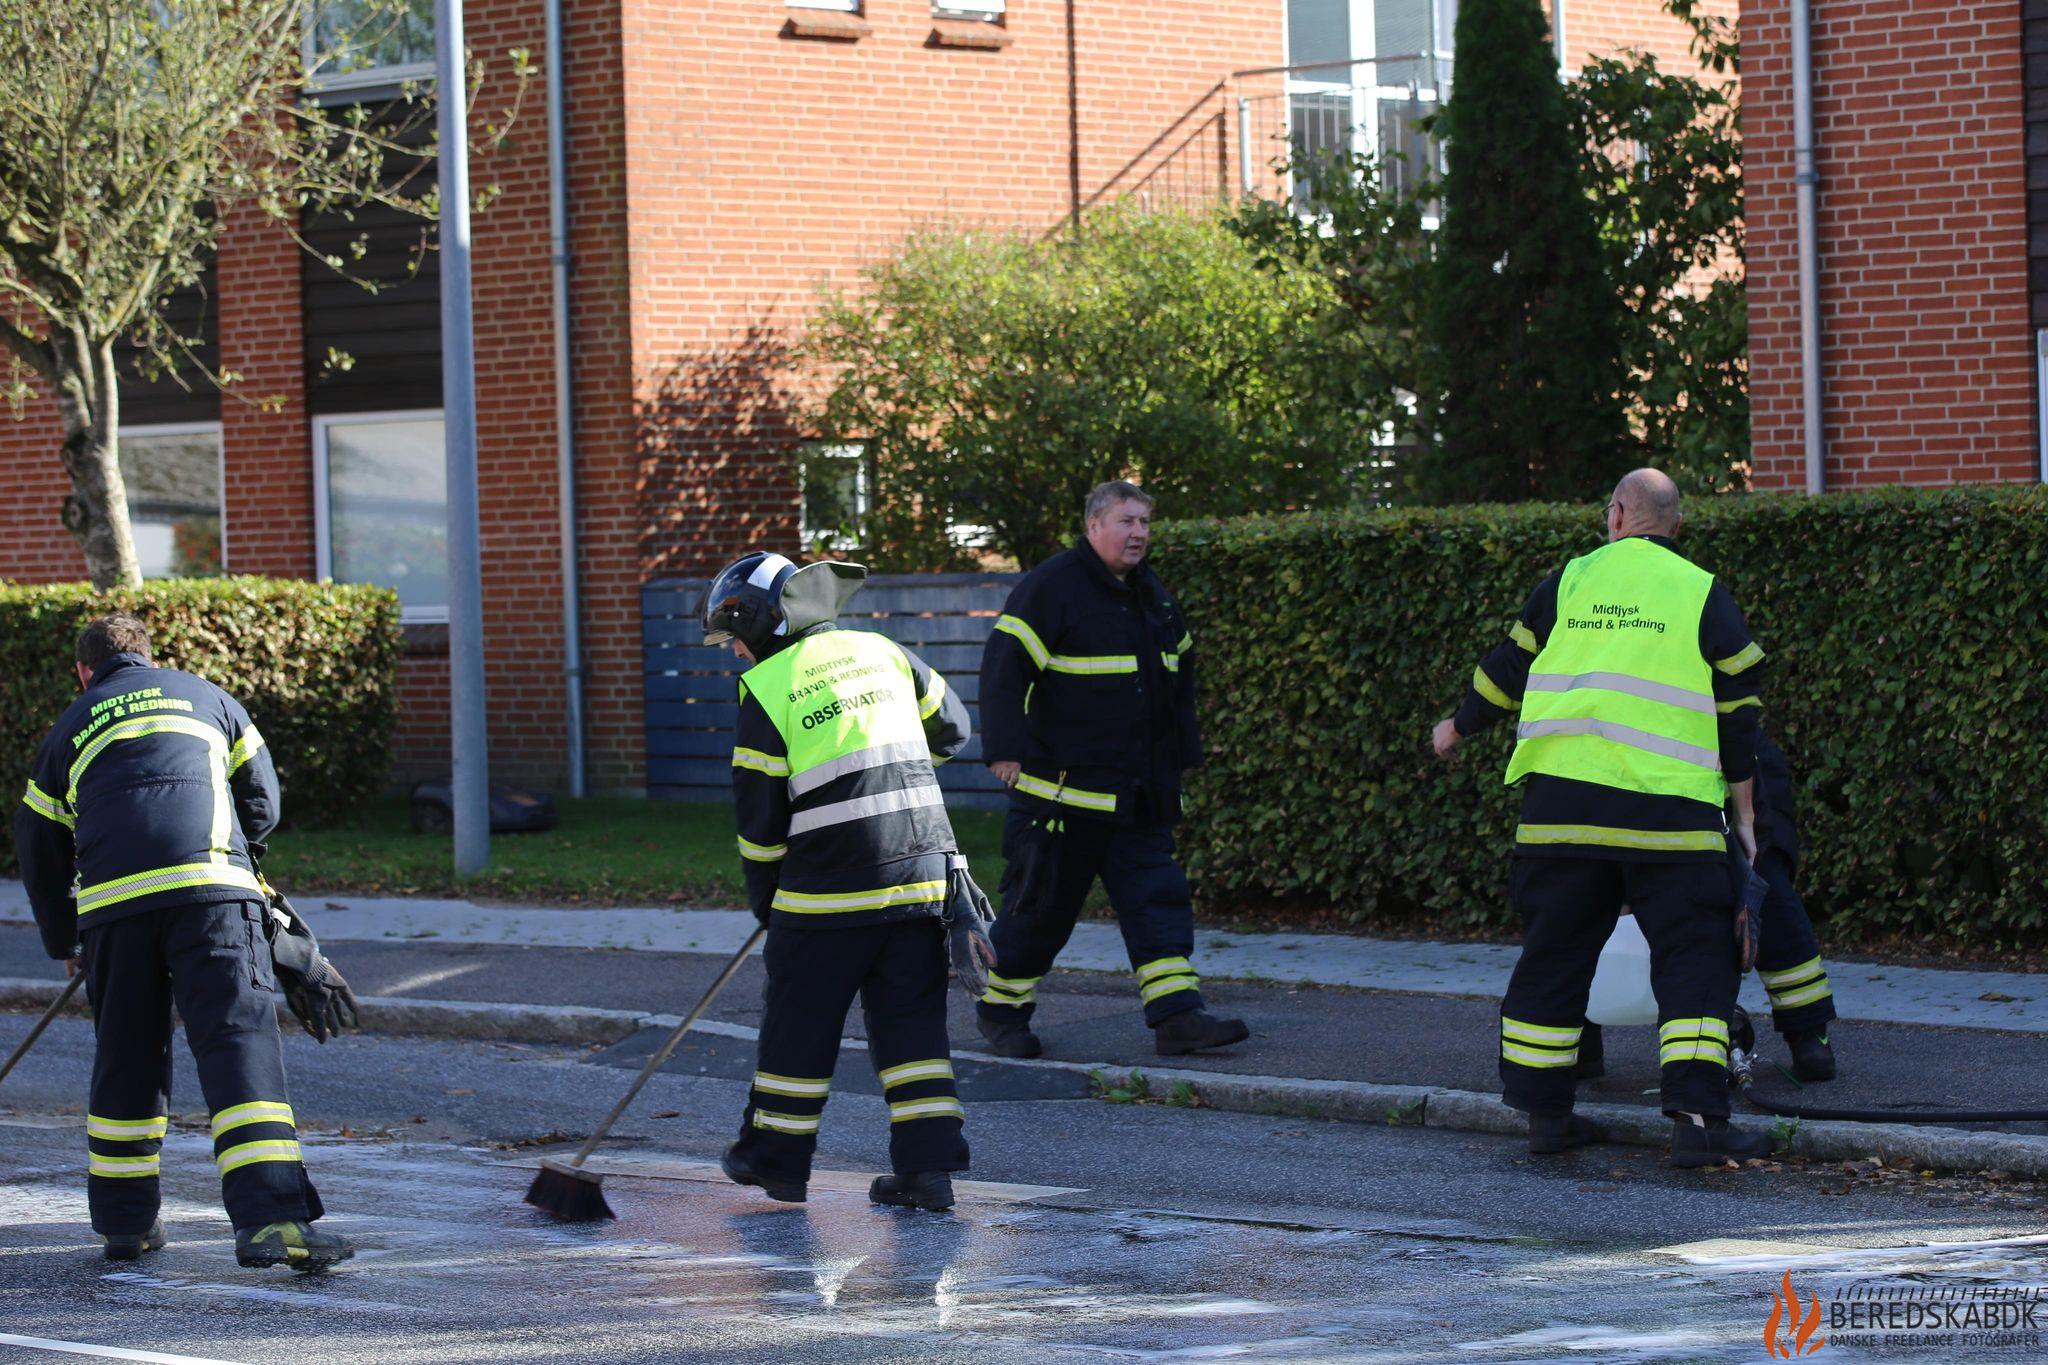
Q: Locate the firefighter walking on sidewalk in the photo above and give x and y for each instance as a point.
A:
(134, 837)
(1636, 687)
(1088, 717)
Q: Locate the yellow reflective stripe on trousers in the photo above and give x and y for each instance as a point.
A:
(1693, 1040)
(940, 1107)
(1668, 841)
(256, 1111)
(1164, 976)
(915, 893)
(121, 1167)
(184, 875)
(757, 761)
(1536, 1057)
(1789, 976)
(1089, 664)
(1802, 995)
(1541, 1034)
(125, 1130)
(1487, 688)
(787, 1123)
(1020, 630)
(1004, 991)
(932, 698)
(47, 806)
(762, 853)
(251, 1153)
(935, 1070)
(1065, 795)
(245, 749)
(794, 1086)
(1751, 654)
(1172, 662)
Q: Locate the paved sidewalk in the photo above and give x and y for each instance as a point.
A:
(2014, 1002)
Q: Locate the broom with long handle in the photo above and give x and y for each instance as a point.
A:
(575, 1195)
(70, 989)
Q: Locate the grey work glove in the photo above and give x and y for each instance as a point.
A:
(967, 919)
(319, 998)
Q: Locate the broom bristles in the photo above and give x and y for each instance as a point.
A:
(569, 1193)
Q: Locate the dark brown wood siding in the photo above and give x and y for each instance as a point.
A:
(392, 334)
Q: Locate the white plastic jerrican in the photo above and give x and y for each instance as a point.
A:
(1621, 984)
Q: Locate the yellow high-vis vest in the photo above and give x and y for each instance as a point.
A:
(1620, 694)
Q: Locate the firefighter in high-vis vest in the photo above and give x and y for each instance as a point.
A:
(1088, 716)
(134, 838)
(851, 863)
(1635, 682)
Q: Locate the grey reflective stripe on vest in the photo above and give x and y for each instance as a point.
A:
(1622, 682)
(862, 807)
(1622, 734)
(859, 760)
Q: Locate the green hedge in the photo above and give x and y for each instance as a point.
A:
(1907, 632)
(316, 664)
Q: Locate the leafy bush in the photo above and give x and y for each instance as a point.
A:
(993, 380)
(316, 664)
(1905, 631)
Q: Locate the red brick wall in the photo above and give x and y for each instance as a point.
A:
(267, 459)
(1601, 28)
(1928, 370)
(762, 165)
(34, 546)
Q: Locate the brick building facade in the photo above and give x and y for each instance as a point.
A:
(1927, 326)
(723, 162)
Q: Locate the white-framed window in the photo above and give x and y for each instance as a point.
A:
(834, 484)
(843, 6)
(989, 11)
(351, 44)
(1365, 73)
(173, 475)
(380, 506)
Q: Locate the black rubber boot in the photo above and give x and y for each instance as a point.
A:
(1592, 1063)
(1194, 1030)
(298, 1245)
(133, 1246)
(928, 1190)
(1008, 1037)
(1717, 1143)
(1813, 1058)
(1553, 1133)
(740, 1171)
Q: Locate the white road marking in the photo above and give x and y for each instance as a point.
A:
(77, 1348)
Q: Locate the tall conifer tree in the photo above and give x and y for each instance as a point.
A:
(1521, 327)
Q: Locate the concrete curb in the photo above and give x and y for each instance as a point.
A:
(1345, 1101)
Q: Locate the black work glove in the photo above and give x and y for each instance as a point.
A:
(1750, 890)
(967, 918)
(319, 998)
(1031, 867)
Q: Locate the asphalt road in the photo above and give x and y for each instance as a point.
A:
(1178, 1234)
